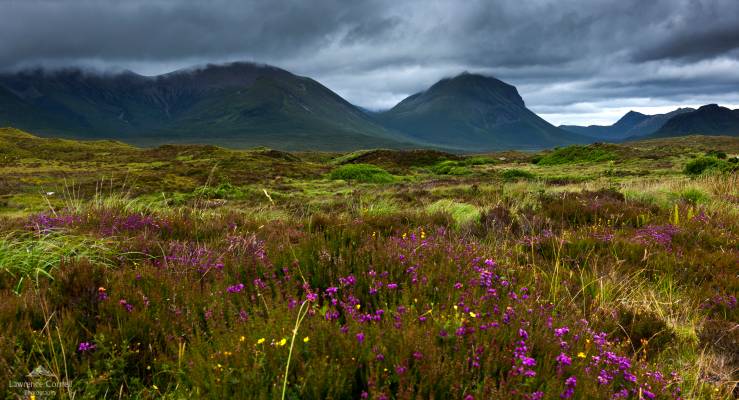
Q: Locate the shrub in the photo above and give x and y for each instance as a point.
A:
(514, 174)
(701, 165)
(578, 154)
(450, 167)
(362, 173)
(716, 153)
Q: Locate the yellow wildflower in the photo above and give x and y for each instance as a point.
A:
(282, 342)
(241, 339)
(581, 354)
(260, 341)
(306, 339)
(473, 315)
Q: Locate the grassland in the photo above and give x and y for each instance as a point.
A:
(604, 271)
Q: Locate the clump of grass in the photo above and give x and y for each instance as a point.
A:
(462, 213)
(362, 173)
(34, 257)
(514, 174)
(450, 167)
(577, 154)
(693, 196)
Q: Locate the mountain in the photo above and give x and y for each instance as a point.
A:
(236, 105)
(710, 119)
(632, 124)
(473, 112)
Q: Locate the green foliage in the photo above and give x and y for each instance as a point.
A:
(702, 165)
(694, 196)
(578, 154)
(716, 153)
(450, 167)
(367, 173)
(514, 174)
(479, 160)
(222, 191)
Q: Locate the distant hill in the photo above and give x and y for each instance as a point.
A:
(236, 105)
(473, 112)
(632, 124)
(710, 119)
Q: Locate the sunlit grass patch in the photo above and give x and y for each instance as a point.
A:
(32, 257)
(462, 213)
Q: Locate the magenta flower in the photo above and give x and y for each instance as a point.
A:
(126, 305)
(559, 332)
(570, 384)
(360, 337)
(85, 347)
(564, 359)
(235, 288)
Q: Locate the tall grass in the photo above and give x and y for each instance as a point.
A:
(27, 256)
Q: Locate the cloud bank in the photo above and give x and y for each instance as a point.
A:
(575, 62)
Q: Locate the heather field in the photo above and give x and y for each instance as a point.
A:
(584, 272)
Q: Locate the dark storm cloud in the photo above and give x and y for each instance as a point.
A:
(561, 54)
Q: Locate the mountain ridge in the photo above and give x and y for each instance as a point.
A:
(631, 124)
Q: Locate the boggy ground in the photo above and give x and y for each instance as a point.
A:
(606, 271)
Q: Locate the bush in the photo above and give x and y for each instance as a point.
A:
(516, 174)
(450, 167)
(705, 164)
(578, 154)
(716, 153)
(362, 173)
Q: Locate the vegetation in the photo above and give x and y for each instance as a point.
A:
(210, 273)
(579, 154)
(513, 174)
(703, 164)
(362, 173)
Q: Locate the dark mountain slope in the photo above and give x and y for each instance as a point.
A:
(710, 119)
(239, 105)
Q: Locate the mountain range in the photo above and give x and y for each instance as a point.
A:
(246, 104)
(632, 124)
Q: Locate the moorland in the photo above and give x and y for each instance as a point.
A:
(193, 271)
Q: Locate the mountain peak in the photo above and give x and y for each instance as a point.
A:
(630, 119)
(711, 107)
(478, 87)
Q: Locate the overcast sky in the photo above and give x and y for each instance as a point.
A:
(576, 62)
